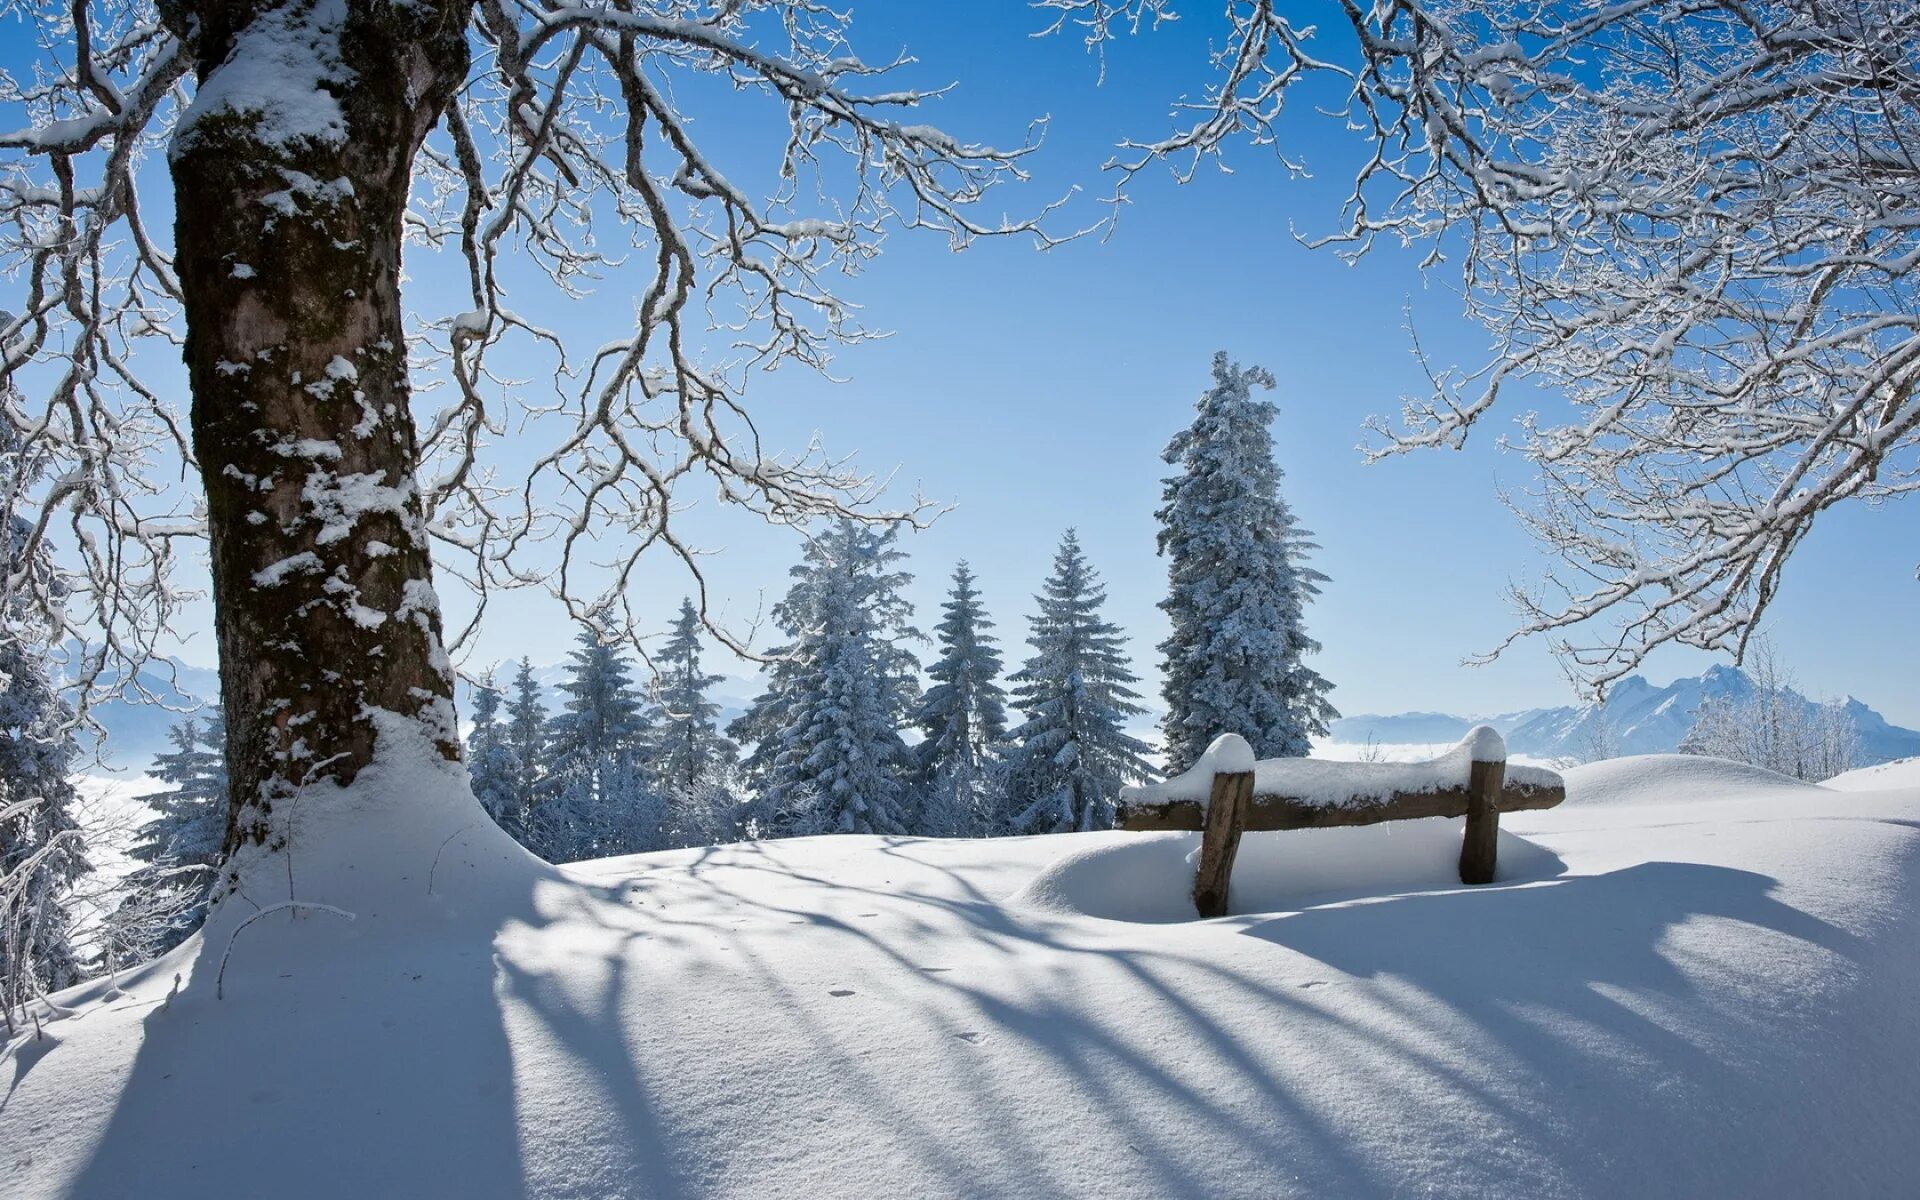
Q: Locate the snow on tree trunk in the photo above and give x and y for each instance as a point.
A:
(1237, 585)
(291, 171)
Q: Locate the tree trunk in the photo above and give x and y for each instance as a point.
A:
(288, 250)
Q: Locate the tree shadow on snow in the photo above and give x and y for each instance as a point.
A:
(345, 1062)
(755, 1018)
(1589, 987)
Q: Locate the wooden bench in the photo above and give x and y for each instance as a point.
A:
(1227, 793)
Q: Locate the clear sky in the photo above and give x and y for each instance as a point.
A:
(1035, 391)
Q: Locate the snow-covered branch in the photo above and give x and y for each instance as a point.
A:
(582, 116)
(92, 452)
(1694, 222)
(574, 158)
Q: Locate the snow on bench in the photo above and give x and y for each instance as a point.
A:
(1226, 792)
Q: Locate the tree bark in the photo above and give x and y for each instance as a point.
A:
(288, 250)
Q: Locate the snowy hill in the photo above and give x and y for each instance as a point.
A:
(1691, 980)
(1902, 773)
(1639, 718)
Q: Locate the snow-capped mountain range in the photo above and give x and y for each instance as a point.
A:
(1643, 719)
(1639, 718)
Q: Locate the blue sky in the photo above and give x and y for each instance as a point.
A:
(1035, 391)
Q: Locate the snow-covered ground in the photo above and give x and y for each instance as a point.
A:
(1693, 979)
(1902, 773)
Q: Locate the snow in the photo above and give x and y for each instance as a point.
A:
(1149, 877)
(339, 501)
(274, 74)
(1333, 783)
(1689, 981)
(1905, 773)
(1228, 754)
(1656, 778)
(275, 574)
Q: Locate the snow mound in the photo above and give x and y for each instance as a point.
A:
(1149, 877)
(1901, 773)
(1665, 778)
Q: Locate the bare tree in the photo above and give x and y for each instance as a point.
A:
(308, 142)
(1775, 727)
(1697, 221)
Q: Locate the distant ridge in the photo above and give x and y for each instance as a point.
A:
(1641, 719)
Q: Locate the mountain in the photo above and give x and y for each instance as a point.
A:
(136, 726)
(1639, 718)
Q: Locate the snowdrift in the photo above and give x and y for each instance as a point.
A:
(1903, 773)
(1701, 983)
(1149, 877)
(1666, 778)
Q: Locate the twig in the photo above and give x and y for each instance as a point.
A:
(220, 980)
(442, 850)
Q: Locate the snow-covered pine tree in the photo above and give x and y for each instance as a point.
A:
(829, 755)
(692, 761)
(1238, 584)
(961, 716)
(492, 763)
(1072, 755)
(41, 849)
(596, 799)
(166, 897)
(685, 741)
(526, 736)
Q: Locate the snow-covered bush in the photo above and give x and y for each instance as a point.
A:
(1774, 726)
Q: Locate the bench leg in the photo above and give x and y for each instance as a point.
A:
(1479, 847)
(1220, 840)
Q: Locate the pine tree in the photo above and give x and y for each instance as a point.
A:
(526, 737)
(180, 849)
(692, 761)
(1238, 584)
(686, 744)
(595, 797)
(1072, 755)
(493, 765)
(41, 849)
(829, 756)
(962, 715)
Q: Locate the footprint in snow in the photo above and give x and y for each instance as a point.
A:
(972, 1037)
(840, 992)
